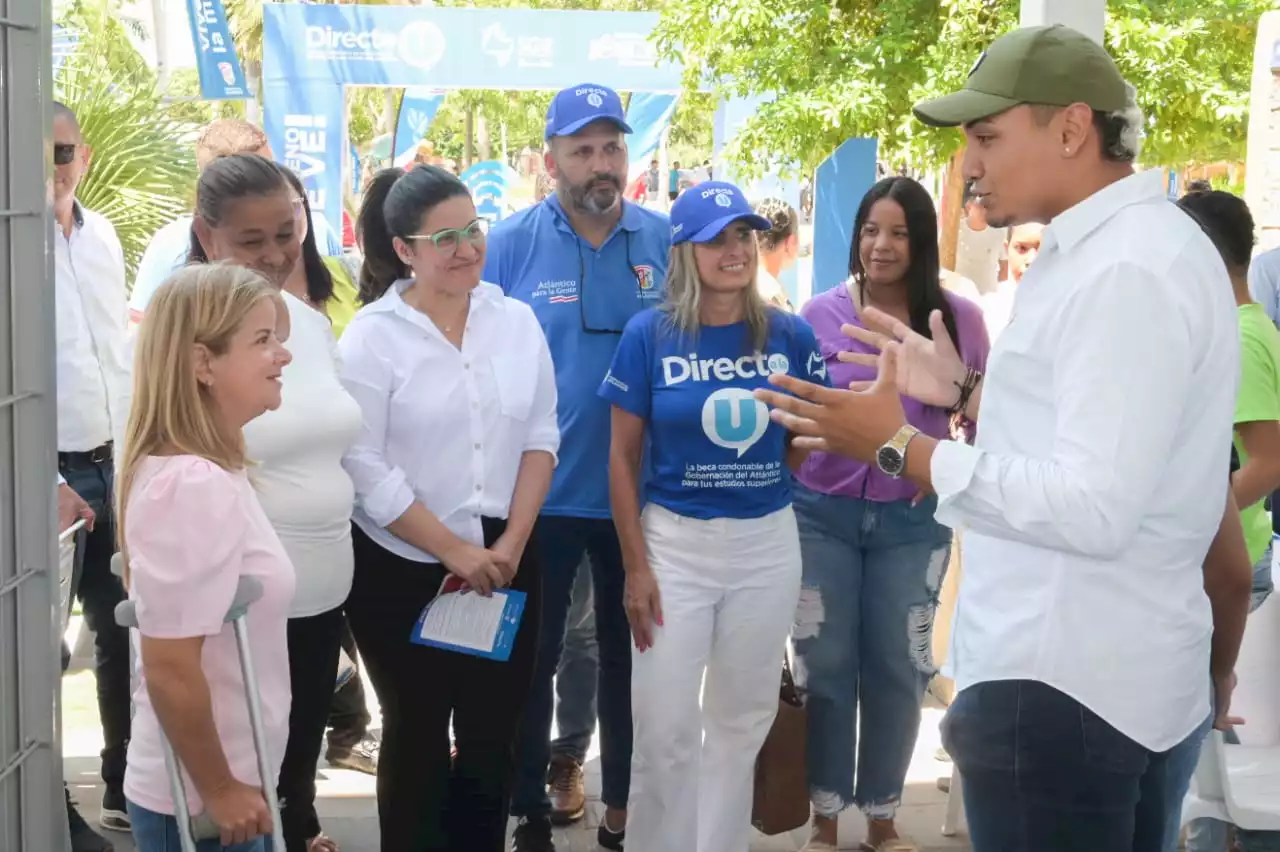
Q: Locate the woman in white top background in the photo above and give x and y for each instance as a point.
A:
(458, 393)
(246, 214)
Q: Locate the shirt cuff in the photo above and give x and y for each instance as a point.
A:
(951, 470)
(62, 480)
(390, 499)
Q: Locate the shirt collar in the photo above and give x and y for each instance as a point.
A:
(630, 222)
(485, 295)
(1071, 227)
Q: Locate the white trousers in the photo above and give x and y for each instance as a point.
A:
(729, 590)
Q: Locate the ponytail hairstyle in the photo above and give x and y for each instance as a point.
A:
(319, 279)
(228, 179)
(394, 205)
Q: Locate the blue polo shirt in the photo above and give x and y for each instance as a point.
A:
(583, 297)
(714, 452)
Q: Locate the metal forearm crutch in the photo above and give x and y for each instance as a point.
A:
(202, 827)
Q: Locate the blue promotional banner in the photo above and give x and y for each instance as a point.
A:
(649, 115)
(454, 48)
(308, 139)
(490, 182)
(310, 52)
(842, 180)
(417, 111)
(221, 78)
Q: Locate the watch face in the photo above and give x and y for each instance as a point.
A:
(890, 461)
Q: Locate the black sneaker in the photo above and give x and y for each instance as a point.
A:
(84, 838)
(533, 835)
(115, 814)
(610, 839)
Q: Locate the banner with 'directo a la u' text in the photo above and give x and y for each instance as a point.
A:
(221, 77)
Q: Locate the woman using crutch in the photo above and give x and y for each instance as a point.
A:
(208, 361)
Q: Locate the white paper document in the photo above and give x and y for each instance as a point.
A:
(465, 620)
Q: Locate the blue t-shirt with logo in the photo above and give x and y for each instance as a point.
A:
(713, 451)
(583, 297)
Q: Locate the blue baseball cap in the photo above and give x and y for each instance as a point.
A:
(703, 211)
(577, 106)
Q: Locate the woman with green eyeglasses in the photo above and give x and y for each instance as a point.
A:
(450, 470)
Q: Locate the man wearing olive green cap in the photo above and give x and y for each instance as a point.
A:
(1094, 503)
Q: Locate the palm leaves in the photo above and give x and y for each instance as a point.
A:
(143, 171)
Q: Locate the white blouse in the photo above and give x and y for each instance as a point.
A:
(297, 453)
(443, 426)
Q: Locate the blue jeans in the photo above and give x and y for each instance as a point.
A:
(576, 677)
(564, 542)
(1043, 772)
(98, 591)
(863, 639)
(153, 832)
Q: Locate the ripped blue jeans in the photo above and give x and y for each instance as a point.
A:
(863, 637)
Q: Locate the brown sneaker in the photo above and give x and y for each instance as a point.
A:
(567, 788)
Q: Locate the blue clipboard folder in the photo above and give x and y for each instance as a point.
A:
(501, 634)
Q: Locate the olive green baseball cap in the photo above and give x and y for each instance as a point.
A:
(1052, 65)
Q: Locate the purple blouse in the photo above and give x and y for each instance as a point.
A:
(832, 474)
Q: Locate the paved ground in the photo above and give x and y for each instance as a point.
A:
(348, 811)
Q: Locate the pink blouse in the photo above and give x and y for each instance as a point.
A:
(192, 530)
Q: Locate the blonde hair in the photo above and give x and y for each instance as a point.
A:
(684, 297)
(172, 412)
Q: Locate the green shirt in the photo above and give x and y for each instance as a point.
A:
(344, 302)
(1258, 399)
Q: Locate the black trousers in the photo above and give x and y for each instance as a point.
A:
(349, 715)
(98, 591)
(426, 803)
(313, 666)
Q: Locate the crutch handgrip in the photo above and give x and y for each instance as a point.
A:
(204, 828)
(248, 591)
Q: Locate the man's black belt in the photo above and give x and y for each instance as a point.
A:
(98, 455)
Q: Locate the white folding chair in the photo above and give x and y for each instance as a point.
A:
(954, 819)
(1237, 784)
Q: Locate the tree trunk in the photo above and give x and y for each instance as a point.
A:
(253, 82)
(387, 121)
(484, 144)
(952, 207)
(160, 32)
(469, 140)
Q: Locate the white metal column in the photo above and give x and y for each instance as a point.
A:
(1087, 16)
(32, 814)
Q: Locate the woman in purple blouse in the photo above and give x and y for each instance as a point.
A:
(873, 556)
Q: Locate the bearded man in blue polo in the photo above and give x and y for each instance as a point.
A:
(587, 261)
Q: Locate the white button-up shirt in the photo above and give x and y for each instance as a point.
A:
(1264, 282)
(1099, 475)
(92, 319)
(443, 426)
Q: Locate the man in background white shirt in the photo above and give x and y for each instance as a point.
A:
(93, 386)
(1022, 248)
(1106, 576)
(980, 248)
(1264, 282)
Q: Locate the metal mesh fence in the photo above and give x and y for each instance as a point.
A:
(32, 816)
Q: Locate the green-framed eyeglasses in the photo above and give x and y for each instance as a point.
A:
(448, 240)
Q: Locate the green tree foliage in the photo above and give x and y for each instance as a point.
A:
(142, 175)
(850, 68)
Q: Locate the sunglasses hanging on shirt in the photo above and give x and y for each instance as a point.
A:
(615, 325)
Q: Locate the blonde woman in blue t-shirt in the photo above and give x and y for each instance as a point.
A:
(713, 559)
